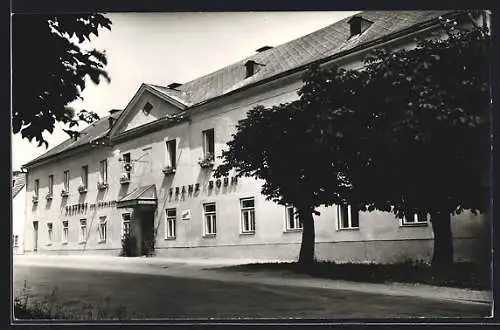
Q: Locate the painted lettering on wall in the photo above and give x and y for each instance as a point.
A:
(83, 208)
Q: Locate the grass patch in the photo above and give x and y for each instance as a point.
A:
(461, 275)
(28, 308)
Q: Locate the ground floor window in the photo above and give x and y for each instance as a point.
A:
(293, 221)
(126, 224)
(103, 230)
(170, 223)
(49, 232)
(65, 231)
(418, 218)
(210, 219)
(247, 215)
(348, 217)
(83, 230)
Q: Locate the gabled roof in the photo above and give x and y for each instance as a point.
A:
(320, 44)
(19, 183)
(94, 131)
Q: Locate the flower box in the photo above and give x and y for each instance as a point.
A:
(82, 189)
(64, 193)
(102, 185)
(34, 199)
(168, 170)
(48, 196)
(207, 161)
(124, 178)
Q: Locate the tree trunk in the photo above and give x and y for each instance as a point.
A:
(306, 256)
(442, 257)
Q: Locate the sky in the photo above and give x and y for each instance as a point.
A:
(161, 48)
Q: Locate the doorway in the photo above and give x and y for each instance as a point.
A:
(35, 236)
(148, 236)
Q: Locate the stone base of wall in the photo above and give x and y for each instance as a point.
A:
(378, 251)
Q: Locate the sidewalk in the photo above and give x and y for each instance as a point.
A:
(207, 269)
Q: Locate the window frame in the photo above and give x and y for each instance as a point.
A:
(65, 232)
(16, 240)
(103, 171)
(171, 155)
(170, 224)
(36, 187)
(340, 225)
(127, 159)
(297, 223)
(212, 217)
(83, 232)
(85, 176)
(51, 185)
(66, 180)
(126, 223)
(207, 144)
(50, 233)
(416, 220)
(251, 216)
(103, 223)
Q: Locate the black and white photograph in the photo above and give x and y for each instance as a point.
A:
(251, 165)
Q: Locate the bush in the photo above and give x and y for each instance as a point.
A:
(129, 246)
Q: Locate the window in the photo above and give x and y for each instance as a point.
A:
(85, 176)
(127, 168)
(65, 231)
(293, 222)
(170, 223)
(13, 183)
(16, 240)
(83, 230)
(103, 231)
(49, 232)
(171, 154)
(417, 218)
(103, 171)
(208, 143)
(51, 185)
(37, 187)
(348, 218)
(210, 219)
(126, 224)
(66, 180)
(247, 215)
(147, 108)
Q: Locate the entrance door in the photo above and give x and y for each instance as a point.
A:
(147, 232)
(35, 236)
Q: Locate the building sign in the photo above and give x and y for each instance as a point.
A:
(194, 188)
(83, 208)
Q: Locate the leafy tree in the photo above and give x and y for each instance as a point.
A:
(50, 70)
(275, 145)
(410, 131)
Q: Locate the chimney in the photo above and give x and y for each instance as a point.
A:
(173, 85)
(358, 25)
(264, 48)
(112, 111)
(111, 121)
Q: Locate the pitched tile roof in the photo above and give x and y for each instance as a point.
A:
(317, 45)
(19, 183)
(96, 130)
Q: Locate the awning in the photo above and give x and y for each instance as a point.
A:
(142, 196)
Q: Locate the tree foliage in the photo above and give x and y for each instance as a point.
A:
(50, 70)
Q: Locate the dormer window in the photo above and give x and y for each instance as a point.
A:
(358, 25)
(147, 108)
(250, 67)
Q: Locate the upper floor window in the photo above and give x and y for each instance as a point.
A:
(65, 231)
(85, 176)
(208, 143)
(103, 171)
(36, 188)
(348, 217)
(51, 185)
(103, 230)
(416, 218)
(66, 180)
(247, 215)
(16, 240)
(171, 151)
(293, 221)
(210, 219)
(127, 166)
(83, 230)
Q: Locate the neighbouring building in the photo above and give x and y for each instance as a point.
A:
(18, 211)
(147, 170)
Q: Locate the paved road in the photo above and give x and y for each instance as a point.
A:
(173, 297)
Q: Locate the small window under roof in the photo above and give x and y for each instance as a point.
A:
(358, 25)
